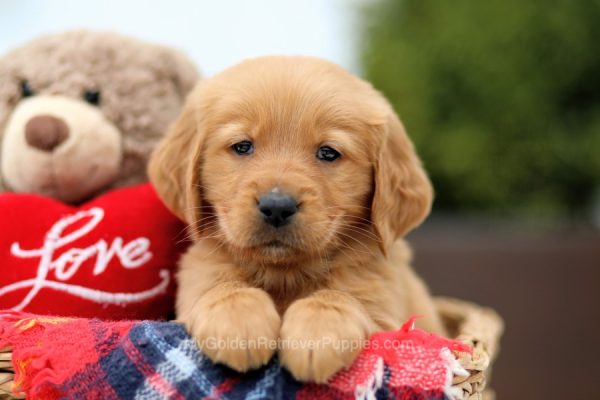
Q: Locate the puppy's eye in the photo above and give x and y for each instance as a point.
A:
(26, 90)
(326, 153)
(244, 147)
(92, 97)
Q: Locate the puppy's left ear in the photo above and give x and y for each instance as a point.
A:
(403, 193)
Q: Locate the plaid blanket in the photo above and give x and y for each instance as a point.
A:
(92, 359)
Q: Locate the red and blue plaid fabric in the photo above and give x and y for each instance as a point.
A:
(92, 359)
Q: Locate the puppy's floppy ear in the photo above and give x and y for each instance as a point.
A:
(403, 193)
(171, 168)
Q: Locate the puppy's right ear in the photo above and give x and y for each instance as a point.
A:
(170, 168)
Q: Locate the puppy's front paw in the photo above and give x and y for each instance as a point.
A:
(239, 329)
(318, 337)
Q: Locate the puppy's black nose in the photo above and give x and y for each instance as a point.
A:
(277, 208)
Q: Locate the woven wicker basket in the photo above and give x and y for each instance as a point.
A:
(479, 327)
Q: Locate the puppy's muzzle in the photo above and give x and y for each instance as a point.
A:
(277, 209)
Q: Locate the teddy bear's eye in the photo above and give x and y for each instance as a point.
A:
(92, 97)
(26, 90)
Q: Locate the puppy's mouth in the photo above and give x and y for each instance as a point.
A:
(275, 244)
(275, 248)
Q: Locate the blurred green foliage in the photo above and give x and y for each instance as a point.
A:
(501, 97)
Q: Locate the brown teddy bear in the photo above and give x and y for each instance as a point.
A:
(81, 111)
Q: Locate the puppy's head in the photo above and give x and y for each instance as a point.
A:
(285, 158)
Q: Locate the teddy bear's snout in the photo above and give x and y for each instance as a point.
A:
(46, 132)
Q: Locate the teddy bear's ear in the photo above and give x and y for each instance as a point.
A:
(9, 95)
(170, 168)
(181, 70)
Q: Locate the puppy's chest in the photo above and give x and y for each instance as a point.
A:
(285, 287)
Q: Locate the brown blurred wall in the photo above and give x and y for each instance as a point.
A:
(546, 286)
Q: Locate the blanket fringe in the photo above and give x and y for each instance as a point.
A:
(453, 368)
(34, 373)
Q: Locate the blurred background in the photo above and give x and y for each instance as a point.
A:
(502, 99)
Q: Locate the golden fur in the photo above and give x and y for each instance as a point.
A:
(340, 272)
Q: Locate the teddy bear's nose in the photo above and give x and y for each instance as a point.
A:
(46, 132)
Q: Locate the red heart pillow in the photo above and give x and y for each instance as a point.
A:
(113, 257)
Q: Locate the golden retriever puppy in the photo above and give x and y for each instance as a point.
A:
(297, 180)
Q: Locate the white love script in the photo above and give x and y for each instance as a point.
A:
(131, 255)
